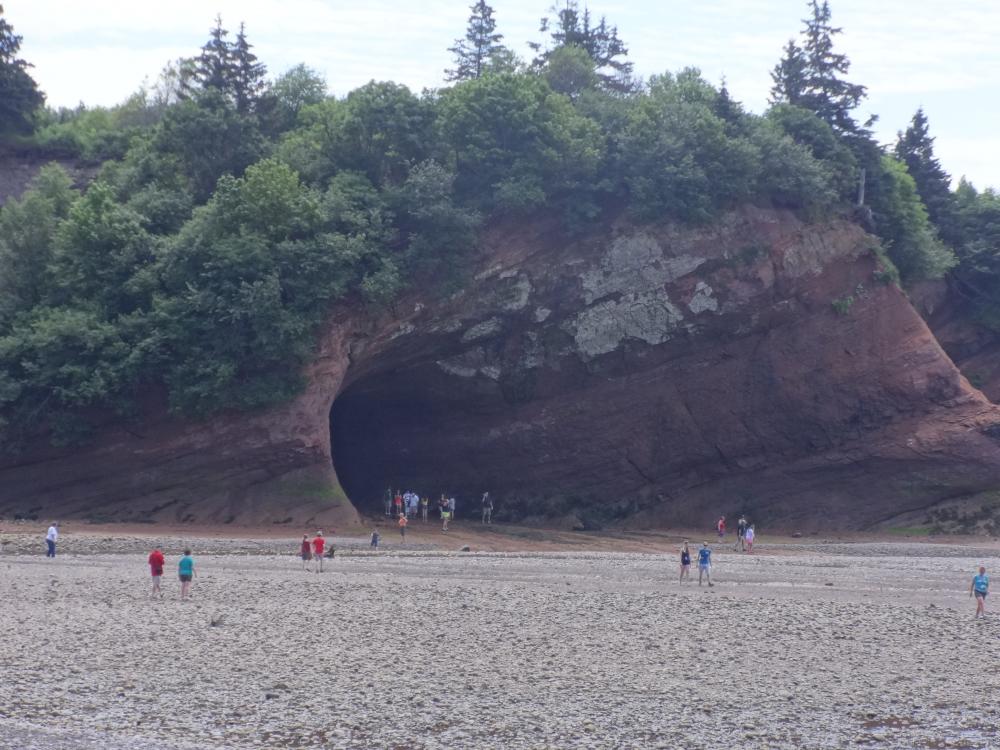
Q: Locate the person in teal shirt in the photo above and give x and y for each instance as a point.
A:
(185, 568)
(980, 588)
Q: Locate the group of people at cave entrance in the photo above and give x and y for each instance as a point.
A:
(406, 505)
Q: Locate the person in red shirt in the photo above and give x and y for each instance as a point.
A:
(403, 520)
(721, 526)
(397, 503)
(156, 563)
(318, 544)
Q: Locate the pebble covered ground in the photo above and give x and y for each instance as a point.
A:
(868, 645)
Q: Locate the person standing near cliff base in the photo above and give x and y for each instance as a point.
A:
(720, 526)
(185, 570)
(305, 551)
(403, 520)
(685, 562)
(705, 563)
(750, 536)
(318, 544)
(980, 588)
(51, 538)
(741, 531)
(156, 563)
(487, 508)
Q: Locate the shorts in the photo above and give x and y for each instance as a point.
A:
(445, 515)
(981, 595)
(705, 568)
(157, 572)
(185, 578)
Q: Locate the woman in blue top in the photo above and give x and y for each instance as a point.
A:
(185, 569)
(980, 587)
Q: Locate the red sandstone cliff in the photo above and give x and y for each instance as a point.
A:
(643, 375)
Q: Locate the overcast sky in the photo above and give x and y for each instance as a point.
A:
(942, 54)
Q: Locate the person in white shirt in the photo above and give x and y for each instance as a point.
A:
(451, 507)
(51, 538)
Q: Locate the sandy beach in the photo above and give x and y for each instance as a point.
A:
(804, 644)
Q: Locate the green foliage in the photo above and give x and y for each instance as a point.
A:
(978, 272)
(292, 91)
(27, 232)
(812, 76)
(19, 94)
(517, 144)
(902, 223)
(569, 70)
(915, 148)
(600, 41)
(843, 305)
(477, 52)
(681, 160)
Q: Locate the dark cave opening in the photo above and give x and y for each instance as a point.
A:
(404, 431)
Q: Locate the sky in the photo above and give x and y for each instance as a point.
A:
(942, 55)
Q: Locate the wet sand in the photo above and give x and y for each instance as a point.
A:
(803, 644)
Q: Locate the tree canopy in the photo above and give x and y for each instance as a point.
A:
(20, 97)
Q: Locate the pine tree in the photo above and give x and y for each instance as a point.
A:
(915, 148)
(19, 94)
(601, 42)
(247, 74)
(826, 93)
(481, 45)
(811, 76)
(214, 68)
(789, 76)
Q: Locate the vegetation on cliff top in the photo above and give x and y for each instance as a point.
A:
(231, 210)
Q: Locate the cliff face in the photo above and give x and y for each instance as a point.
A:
(646, 375)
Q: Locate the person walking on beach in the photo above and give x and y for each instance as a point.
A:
(375, 538)
(720, 526)
(424, 502)
(685, 562)
(445, 514)
(705, 563)
(403, 520)
(51, 538)
(980, 588)
(741, 531)
(156, 563)
(318, 544)
(185, 570)
(305, 551)
(487, 508)
(388, 502)
(750, 535)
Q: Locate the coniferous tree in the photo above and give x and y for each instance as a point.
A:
(247, 74)
(811, 76)
(915, 148)
(19, 94)
(826, 92)
(214, 68)
(480, 47)
(601, 42)
(789, 76)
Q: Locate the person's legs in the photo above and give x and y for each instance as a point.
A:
(980, 606)
(319, 558)
(51, 551)
(701, 572)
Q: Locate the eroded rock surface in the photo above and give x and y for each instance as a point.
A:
(644, 375)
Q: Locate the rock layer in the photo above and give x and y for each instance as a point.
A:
(644, 375)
